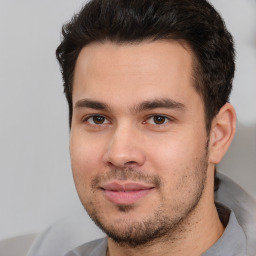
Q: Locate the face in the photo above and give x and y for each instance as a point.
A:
(138, 142)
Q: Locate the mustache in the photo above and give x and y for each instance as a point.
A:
(124, 174)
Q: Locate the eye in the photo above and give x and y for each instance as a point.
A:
(97, 120)
(158, 119)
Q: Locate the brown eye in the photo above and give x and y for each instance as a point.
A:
(159, 119)
(97, 120)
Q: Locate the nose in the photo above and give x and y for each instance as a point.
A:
(125, 149)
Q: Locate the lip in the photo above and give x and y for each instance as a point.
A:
(125, 193)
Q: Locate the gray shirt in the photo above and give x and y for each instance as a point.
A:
(231, 243)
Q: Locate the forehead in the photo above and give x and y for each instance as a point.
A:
(138, 71)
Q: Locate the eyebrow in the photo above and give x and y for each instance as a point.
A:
(86, 103)
(145, 105)
(159, 103)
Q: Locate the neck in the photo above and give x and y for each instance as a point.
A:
(198, 232)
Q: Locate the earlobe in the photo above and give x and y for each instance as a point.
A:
(222, 133)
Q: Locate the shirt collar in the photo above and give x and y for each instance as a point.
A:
(232, 242)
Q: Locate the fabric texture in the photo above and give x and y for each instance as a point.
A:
(232, 242)
(18, 245)
(68, 237)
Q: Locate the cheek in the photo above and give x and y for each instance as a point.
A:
(175, 151)
(176, 160)
(84, 163)
(85, 157)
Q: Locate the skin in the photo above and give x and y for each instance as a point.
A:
(137, 137)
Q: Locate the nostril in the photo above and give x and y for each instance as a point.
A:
(130, 163)
(125, 165)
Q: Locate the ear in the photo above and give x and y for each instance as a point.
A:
(222, 133)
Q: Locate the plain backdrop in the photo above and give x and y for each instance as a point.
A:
(36, 184)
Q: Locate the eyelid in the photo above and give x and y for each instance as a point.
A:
(107, 120)
(87, 117)
(168, 119)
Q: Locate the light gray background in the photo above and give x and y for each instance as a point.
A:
(36, 186)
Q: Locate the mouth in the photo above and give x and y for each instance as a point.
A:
(125, 193)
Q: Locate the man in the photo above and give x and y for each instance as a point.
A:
(148, 85)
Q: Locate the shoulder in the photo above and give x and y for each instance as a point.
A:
(243, 205)
(94, 248)
(18, 245)
(66, 234)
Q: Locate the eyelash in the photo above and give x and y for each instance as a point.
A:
(93, 124)
(86, 120)
(166, 120)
